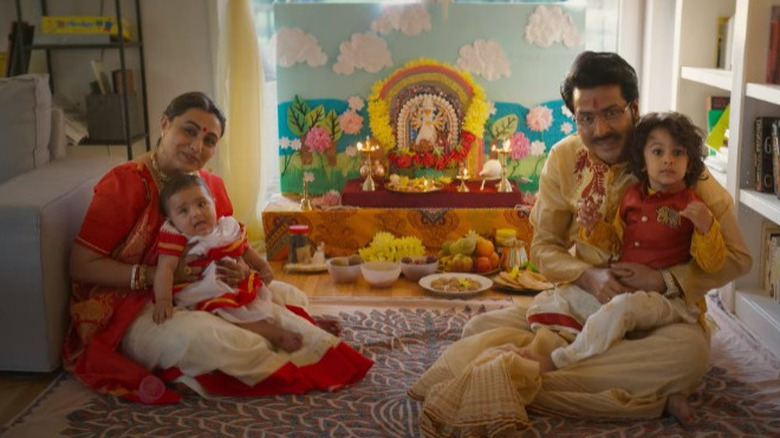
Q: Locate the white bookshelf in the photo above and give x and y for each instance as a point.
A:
(695, 78)
(713, 77)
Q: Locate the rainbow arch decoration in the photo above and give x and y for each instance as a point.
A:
(429, 77)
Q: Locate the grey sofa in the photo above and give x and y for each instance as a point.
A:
(43, 197)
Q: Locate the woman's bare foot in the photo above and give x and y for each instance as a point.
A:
(279, 337)
(545, 362)
(332, 326)
(677, 405)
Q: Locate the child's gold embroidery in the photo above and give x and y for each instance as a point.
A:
(668, 217)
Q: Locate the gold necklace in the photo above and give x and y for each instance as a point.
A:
(157, 172)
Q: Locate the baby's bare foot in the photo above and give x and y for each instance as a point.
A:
(545, 362)
(332, 326)
(288, 341)
(677, 405)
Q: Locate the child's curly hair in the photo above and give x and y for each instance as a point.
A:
(682, 130)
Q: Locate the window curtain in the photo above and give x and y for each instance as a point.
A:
(240, 94)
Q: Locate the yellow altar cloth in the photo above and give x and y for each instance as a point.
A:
(345, 230)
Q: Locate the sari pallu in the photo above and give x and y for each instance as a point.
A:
(101, 317)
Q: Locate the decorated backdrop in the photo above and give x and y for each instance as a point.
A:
(432, 88)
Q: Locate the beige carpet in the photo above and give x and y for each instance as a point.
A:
(740, 397)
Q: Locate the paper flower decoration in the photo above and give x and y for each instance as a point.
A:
(318, 139)
(351, 122)
(520, 146)
(539, 118)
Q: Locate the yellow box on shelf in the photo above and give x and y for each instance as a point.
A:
(84, 24)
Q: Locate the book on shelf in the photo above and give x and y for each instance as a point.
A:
(776, 156)
(725, 42)
(770, 237)
(86, 24)
(768, 229)
(764, 154)
(714, 107)
(773, 55)
(20, 38)
(100, 76)
(116, 78)
(718, 135)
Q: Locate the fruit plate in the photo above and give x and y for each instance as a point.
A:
(453, 284)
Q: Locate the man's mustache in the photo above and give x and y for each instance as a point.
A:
(606, 138)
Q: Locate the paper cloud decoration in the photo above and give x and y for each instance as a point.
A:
(363, 51)
(409, 19)
(293, 45)
(485, 58)
(550, 24)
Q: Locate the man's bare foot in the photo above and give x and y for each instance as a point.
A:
(677, 405)
(545, 362)
(332, 326)
(288, 341)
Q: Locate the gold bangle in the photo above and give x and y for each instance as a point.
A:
(672, 291)
(141, 277)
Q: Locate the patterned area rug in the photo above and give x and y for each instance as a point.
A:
(739, 397)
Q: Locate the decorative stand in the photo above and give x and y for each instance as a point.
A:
(367, 150)
(305, 201)
(503, 185)
(463, 175)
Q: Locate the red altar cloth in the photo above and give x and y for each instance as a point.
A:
(447, 197)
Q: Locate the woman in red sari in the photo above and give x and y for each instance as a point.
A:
(114, 347)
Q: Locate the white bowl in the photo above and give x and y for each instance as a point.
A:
(344, 273)
(415, 271)
(381, 273)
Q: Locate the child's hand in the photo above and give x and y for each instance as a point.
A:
(266, 273)
(163, 309)
(185, 273)
(700, 215)
(588, 215)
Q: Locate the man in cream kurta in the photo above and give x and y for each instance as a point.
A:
(634, 377)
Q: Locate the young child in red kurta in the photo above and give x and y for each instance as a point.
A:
(193, 227)
(660, 223)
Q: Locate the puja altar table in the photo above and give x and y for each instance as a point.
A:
(448, 197)
(344, 230)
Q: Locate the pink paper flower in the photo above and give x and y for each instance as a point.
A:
(351, 122)
(539, 118)
(520, 146)
(318, 139)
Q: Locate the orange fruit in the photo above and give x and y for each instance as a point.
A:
(482, 264)
(495, 260)
(484, 247)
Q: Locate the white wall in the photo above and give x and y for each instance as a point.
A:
(658, 54)
(179, 51)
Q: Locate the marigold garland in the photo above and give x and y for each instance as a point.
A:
(473, 124)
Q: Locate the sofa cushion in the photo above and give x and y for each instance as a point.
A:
(25, 123)
(40, 213)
